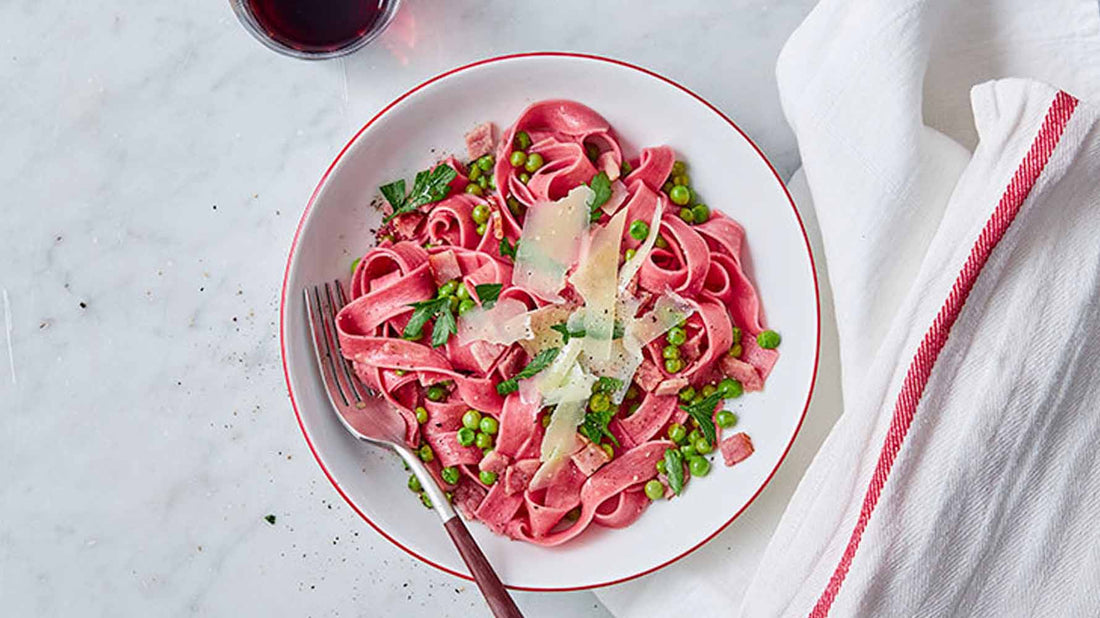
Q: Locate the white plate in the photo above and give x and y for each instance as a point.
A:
(644, 109)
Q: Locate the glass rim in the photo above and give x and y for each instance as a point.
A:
(252, 25)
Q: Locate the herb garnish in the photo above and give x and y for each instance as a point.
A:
(438, 308)
(595, 424)
(601, 187)
(703, 412)
(674, 470)
(566, 334)
(507, 249)
(541, 361)
(488, 293)
(429, 186)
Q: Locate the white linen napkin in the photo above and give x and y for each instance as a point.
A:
(961, 227)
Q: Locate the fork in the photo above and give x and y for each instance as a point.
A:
(371, 419)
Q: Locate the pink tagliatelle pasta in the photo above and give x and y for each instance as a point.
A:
(558, 325)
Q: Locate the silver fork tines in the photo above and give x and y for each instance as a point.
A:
(321, 310)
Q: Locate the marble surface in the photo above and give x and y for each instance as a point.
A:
(155, 161)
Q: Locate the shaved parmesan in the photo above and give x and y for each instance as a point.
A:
(543, 336)
(618, 196)
(554, 377)
(670, 310)
(594, 280)
(634, 264)
(506, 323)
(550, 242)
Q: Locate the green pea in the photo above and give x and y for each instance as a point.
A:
(514, 206)
(480, 230)
(522, 140)
(399, 372)
(680, 195)
(480, 213)
(726, 419)
(483, 440)
(633, 408)
(436, 393)
(681, 180)
(449, 475)
(487, 477)
(677, 335)
(694, 435)
(736, 335)
(426, 454)
(698, 466)
(667, 187)
(534, 162)
(484, 183)
(465, 306)
(607, 448)
(414, 483)
(421, 415)
(471, 419)
(688, 450)
(701, 213)
(461, 293)
(687, 393)
(599, 402)
(662, 467)
(661, 243)
(678, 168)
(687, 215)
(485, 163)
(474, 189)
(736, 350)
(426, 500)
(654, 489)
(730, 388)
(489, 425)
(524, 177)
(592, 151)
(518, 158)
(545, 420)
(629, 255)
(670, 352)
(697, 397)
(709, 390)
(632, 392)
(466, 436)
(674, 365)
(625, 169)
(769, 339)
(677, 433)
(639, 230)
(452, 303)
(447, 289)
(450, 496)
(702, 446)
(355, 264)
(474, 173)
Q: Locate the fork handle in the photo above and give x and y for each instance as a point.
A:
(500, 602)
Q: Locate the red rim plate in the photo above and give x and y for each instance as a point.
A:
(321, 183)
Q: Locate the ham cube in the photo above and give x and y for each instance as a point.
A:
(736, 448)
(590, 458)
(479, 142)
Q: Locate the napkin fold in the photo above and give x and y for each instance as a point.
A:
(960, 219)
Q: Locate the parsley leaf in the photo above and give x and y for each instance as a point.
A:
(674, 470)
(424, 311)
(567, 334)
(444, 326)
(429, 186)
(605, 384)
(595, 428)
(703, 412)
(541, 361)
(507, 249)
(488, 293)
(601, 186)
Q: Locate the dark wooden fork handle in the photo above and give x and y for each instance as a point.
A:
(500, 602)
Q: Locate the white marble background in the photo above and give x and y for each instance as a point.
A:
(154, 161)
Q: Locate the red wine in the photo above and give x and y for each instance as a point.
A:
(316, 25)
